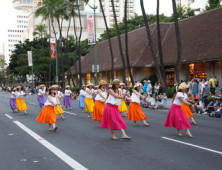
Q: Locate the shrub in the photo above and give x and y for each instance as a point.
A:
(170, 92)
(76, 89)
(131, 90)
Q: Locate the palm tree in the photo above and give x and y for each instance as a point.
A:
(119, 41)
(151, 42)
(160, 46)
(177, 31)
(110, 45)
(126, 43)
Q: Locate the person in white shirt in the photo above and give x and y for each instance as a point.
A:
(100, 99)
(58, 110)
(21, 106)
(135, 113)
(149, 88)
(67, 100)
(95, 93)
(12, 100)
(156, 88)
(111, 118)
(176, 117)
(122, 108)
(41, 94)
(48, 114)
(82, 96)
(89, 104)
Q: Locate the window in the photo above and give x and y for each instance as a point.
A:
(88, 78)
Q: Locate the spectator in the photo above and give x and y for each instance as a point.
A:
(216, 83)
(203, 85)
(212, 93)
(149, 88)
(199, 107)
(176, 86)
(160, 91)
(126, 87)
(212, 83)
(145, 86)
(150, 101)
(156, 88)
(190, 84)
(141, 89)
(200, 90)
(210, 106)
(194, 88)
(217, 111)
(206, 91)
(219, 96)
(162, 103)
(211, 86)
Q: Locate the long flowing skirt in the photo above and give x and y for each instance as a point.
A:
(41, 100)
(12, 102)
(98, 110)
(47, 115)
(135, 113)
(20, 104)
(186, 110)
(67, 101)
(176, 118)
(58, 110)
(111, 118)
(122, 107)
(81, 101)
(89, 104)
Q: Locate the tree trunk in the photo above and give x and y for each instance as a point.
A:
(80, 71)
(179, 50)
(126, 43)
(151, 42)
(120, 45)
(110, 45)
(50, 61)
(160, 49)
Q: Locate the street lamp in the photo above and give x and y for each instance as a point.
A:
(94, 8)
(76, 5)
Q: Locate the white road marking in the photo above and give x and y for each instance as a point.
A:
(196, 146)
(8, 116)
(32, 103)
(70, 113)
(63, 156)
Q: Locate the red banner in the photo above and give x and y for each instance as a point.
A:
(53, 47)
(5, 70)
(90, 28)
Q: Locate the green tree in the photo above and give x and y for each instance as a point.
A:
(212, 4)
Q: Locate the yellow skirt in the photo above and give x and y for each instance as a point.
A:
(122, 107)
(58, 110)
(20, 104)
(89, 104)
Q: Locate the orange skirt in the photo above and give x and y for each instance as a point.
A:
(135, 113)
(186, 110)
(98, 110)
(47, 115)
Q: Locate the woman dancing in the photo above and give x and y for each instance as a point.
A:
(20, 104)
(48, 115)
(95, 93)
(89, 104)
(111, 118)
(41, 93)
(12, 100)
(67, 101)
(99, 105)
(176, 117)
(122, 108)
(82, 96)
(58, 109)
(134, 112)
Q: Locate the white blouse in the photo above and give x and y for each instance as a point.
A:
(41, 91)
(185, 96)
(98, 97)
(12, 96)
(88, 95)
(177, 101)
(67, 92)
(48, 103)
(82, 92)
(19, 93)
(113, 101)
(135, 98)
(123, 91)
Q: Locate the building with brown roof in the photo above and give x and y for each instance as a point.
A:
(201, 39)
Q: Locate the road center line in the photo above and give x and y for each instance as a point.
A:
(70, 113)
(196, 146)
(8, 116)
(63, 156)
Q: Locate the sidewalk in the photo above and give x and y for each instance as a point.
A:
(169, 103)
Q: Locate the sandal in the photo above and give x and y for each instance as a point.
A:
(180, 135)
(147, 125)
(189, 134)
(114, 138)
(194, 123)
(55, 129)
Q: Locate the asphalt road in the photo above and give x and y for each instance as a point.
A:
(79, 143)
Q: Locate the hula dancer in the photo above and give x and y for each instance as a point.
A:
(67, 100)
(40, 96)
(122, 108)
(89, 104)
(58, 109)
(111, 118)
(99, 105)
(48, 115)
(134, 112)
(20, 104)
(176, 117)
(82, 96)
(12, 100)
(95, 93)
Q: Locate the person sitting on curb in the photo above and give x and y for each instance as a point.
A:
(162, 103)
(217, 112)
(151, 101)
(199, 107)
(210, 106)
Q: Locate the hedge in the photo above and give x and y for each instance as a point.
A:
(170, 92)
(76, 89)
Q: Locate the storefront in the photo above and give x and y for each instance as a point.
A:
(197, 70)
(88, 78)
(169, 72)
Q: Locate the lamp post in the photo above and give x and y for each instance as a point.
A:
(94, 8)
(56, 57)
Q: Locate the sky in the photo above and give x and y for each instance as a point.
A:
(7, 13)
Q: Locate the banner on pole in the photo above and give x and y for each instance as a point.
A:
(90, 28)
(53, 47)
(5, 70)
(29, 58)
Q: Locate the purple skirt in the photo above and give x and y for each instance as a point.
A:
(94, 99)
(67, 101)
(12, 102)
(41, 100)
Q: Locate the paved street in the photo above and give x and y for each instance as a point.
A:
(79, 143)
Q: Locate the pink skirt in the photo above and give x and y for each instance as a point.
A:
(111, 118)
(176, 118)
